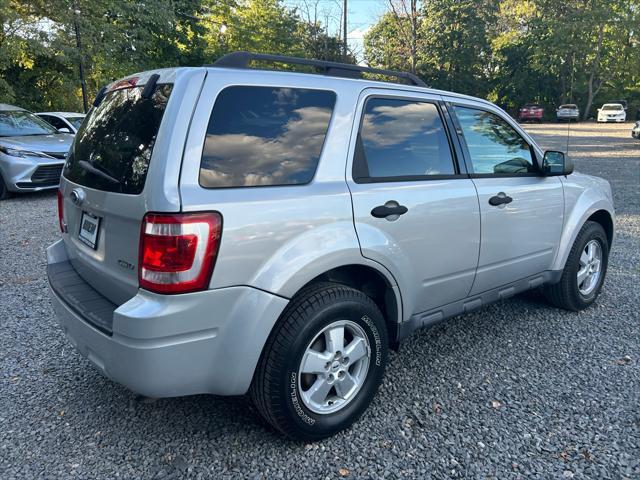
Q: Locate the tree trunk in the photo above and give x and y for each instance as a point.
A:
(414, 34)
(592, 74)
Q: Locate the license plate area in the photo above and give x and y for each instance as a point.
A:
(89, 227)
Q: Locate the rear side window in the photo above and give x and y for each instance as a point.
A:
(261, 136)
(113, 148)
(401, 139)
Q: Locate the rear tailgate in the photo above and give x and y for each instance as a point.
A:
(125, 162)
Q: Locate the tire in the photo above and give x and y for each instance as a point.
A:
(568, 293)
(4, 191)
(281, 393)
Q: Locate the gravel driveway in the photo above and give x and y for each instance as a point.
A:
(514, 390)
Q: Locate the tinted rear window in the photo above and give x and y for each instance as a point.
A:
(265, 136)
(113, 148)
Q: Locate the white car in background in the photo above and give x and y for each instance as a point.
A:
(612, 112)
(63, 120)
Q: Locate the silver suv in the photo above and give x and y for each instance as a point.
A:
(229, 230)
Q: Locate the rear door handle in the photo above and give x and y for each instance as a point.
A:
(389, 209)
(500, 199)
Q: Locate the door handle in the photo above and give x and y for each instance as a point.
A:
(500, 199)
(389, 209)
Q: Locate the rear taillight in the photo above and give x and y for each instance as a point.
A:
(61, 210)
(178, 251)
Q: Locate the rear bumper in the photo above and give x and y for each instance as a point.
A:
(567, 116)
(530, 117)
(175, 345)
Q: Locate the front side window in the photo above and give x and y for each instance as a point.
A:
(75, 121)
(261, 136)
(56, 122)
(17, 123)
(495, 147)
(401, 138)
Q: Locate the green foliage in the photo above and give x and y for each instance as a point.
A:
(517, 51)
(39, 58)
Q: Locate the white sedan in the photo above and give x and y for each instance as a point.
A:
(67, 122)
(612, 112)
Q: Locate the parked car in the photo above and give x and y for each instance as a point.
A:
(68, 122)
(530, 112)
(612, 112)
(568, 112)
(32, 152)
(635, 131)
(229, 230)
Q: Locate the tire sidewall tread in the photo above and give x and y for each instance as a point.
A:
(274, 389)
(565, 294)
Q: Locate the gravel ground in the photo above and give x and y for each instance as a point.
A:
(515, 390)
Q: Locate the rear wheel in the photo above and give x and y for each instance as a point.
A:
(584, 272)
(322, 364)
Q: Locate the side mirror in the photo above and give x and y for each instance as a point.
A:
(556, 163)
(64, 130)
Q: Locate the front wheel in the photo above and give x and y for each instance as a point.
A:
(322, 364)
(584, 272)
(4, 191)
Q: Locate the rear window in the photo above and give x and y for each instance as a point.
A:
(569, 106)
(113, 147)
(261, 136)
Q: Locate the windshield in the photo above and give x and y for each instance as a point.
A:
(612, 107)
(14, 123)
(75, 121)
(113, 147)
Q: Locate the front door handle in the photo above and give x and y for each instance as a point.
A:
(389, 209)
(500, 199)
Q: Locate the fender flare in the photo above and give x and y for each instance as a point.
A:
(587, 204)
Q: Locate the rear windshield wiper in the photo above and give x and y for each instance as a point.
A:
(89, 167)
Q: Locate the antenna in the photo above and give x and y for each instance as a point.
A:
(568, 132)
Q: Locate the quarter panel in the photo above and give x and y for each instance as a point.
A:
(277, 238)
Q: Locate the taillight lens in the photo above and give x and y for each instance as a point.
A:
(178, 251)
(61, 211)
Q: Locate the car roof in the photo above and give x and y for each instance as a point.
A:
(168, 75)
(63, 114)
(6, 106)
(336, 81)
(612, 105)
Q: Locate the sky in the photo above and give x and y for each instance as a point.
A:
(361, 14)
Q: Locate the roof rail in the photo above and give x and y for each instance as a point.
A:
(336, 69)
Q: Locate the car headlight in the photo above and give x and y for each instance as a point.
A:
(14, 152)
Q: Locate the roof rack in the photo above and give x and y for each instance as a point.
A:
(336, 69)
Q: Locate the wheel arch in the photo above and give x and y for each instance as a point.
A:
(604, 218)
(599, 211)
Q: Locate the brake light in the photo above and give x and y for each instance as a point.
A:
(178, 251)
(61, 210)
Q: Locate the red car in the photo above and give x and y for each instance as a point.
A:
(530, 111)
